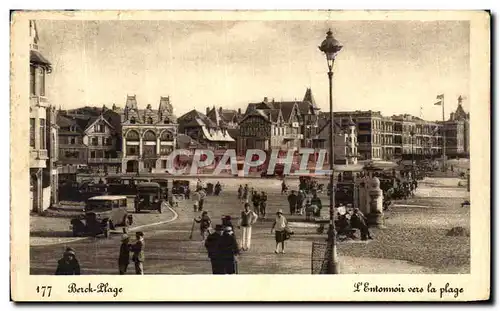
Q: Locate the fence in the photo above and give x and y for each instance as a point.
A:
(319, 258)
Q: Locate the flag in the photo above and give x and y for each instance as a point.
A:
(440, 98)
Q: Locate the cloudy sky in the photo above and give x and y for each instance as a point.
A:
(391, 66)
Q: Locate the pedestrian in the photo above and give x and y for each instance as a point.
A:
(218, 188)
(263, 204)
(202, 194)
(138, 253)
(301, 197)
(124, 256)
(245, 194)
(226, 222)
(205, 224)
(247, 219)
(359, 221)
(211, 244)
(196, 200)
(255, 202)
(280, 224)
(284, 188)
(317, 201)
(292, 202)
(228, 250)
(68, 264)
(240, 192)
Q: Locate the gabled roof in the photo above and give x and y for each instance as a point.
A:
(38, 59)
(287, 109)
(94, 120)
(195, 117)
(308, 97)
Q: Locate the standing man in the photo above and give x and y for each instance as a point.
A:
(240, 192)
(205, 224)
(247, 219)
(255, 202)
(228, 251)
(202, 194)
(263, 204)
(196, 200)
(300, 201)
(211, 245)
(245, 194)
(68, 264)
(124, 257)
(138, 253)
(292, 202)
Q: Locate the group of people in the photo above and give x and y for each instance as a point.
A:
(223, 250)
(69, 265)
(259, 200)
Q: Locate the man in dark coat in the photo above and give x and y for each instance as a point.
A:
(124, 257)
(228, 249)
(138, 253)
(292, 202)
(211, 244)
(358, 221)
(68, 264)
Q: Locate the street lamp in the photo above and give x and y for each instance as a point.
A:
(330, 46)
(412, 134)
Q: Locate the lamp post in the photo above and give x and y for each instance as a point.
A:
(412, 134)
(330, 46)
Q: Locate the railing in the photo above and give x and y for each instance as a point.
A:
(40, 154)
(104, 160)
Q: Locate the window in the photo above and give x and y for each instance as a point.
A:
(149, 120)
(92, 154)
(99, 128)
(132, 120)
(72, 141)
(32, 80)
(42, 134)
(32, 132)
(72, 128)
(132, 136)
(95, 141)
(41, 75)
(165, 150)
(132, 150)
(109, 141)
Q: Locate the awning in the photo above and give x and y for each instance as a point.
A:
(37, 58)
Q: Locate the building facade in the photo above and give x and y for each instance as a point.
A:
(103, 150)
(345, 140)
(43, 131)
(457, 130)
(148, 136)
(211, 133)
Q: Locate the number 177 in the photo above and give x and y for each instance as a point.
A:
(45, 290)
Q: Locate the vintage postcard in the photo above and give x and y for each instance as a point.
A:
(314, 155)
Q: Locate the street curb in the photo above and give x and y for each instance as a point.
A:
(176, 215)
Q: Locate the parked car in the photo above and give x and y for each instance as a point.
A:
(101, 214)
(149, 197)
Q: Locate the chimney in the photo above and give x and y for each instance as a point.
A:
(220, 110)
(114, 107)
(239, 111)
(207, 110)
(265, 99)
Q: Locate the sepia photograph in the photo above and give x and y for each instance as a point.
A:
(292, 144)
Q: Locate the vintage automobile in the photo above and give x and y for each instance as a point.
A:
(163, 185)
(89, 190)
(149, 197)
(180, 187)
(101, 214)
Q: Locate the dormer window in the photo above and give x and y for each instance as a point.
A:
(72, 128)
(149, 120)
(166, 121)
(132, 120)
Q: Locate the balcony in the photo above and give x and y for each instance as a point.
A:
(38, 158)
(292, 136)
(104, 160)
